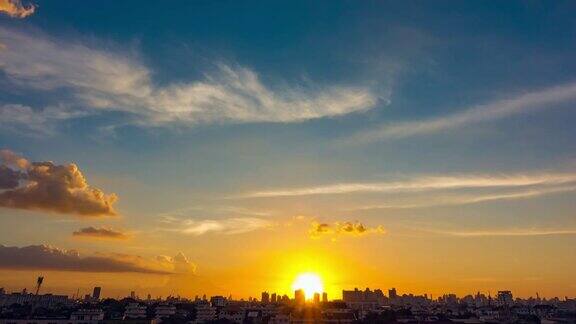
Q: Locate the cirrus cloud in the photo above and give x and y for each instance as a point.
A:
(99, 80)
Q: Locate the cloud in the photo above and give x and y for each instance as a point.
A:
(472, 199)
(51, 187)
(530, 101)
(514, 232)
(45, 257)
(227, 226)
(343, 228)
(180, 263)
(100, 80)
(423, 183)
(15, 9)
(27, 121)
(100, 233)
(9, 178)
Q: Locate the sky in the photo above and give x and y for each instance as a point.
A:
(224, 147)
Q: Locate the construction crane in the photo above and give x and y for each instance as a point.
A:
(38, 284)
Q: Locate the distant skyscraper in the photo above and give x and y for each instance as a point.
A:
(133, 294)
(273, 298)
(316, 298)
(265, 297)
(299, 297)
(96, 293)
(392, 293)
(324, 297)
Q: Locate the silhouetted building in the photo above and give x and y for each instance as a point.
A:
(299, 297)
(265, 297)
(505, 298)
(392, 293)
(316, 298)
(96, 293)
(273, 298)
(324, 297)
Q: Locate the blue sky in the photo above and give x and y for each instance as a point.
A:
(451, 119)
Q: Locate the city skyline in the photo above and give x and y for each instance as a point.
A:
(220, 147)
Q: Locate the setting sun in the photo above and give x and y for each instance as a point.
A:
(311, 283)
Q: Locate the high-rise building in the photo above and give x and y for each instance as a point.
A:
(273, 298)
(265, 297)
(392, 293)
(299, 297)
(133, 294)
(96, 293)
(316, 298)
(324, 297)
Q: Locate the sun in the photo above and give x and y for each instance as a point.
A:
(310, 282)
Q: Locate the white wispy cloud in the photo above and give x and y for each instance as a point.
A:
(423, 183)
(513, 232)
(101, 79)
(475, 199)
(529, 101)
(227, 226)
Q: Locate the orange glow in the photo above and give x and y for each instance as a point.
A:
(310, 282)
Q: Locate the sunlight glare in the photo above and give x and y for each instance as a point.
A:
(309, 282)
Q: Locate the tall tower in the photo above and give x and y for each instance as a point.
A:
(39, 282)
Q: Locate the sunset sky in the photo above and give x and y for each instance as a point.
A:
(224, 147)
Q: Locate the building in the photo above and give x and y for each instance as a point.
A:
(47, 300)
(135, 310)
(164, 311)
(299, 297)
(392, 293)
(89, 316)
(133, 294)
(273, 298)
(505, 298)
(265, 297)
(316, 298)
(363, 299)
(204, 312)
(324, 297)
(218, 301)
(96, 293)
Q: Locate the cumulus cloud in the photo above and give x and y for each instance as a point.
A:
(424, 183)
(100, 233)
(15, 8)
(100, 80)
(530, 101)
(50, 187)
(343, 228)
(227, 226)
(45, 257)
(180, 263)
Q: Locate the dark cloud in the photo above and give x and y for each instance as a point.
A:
(9, 179)
(340, 228)
(45, 257)
(50, 187)
(100, 233)
(15, 8)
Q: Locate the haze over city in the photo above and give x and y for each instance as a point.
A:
(228, 148)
